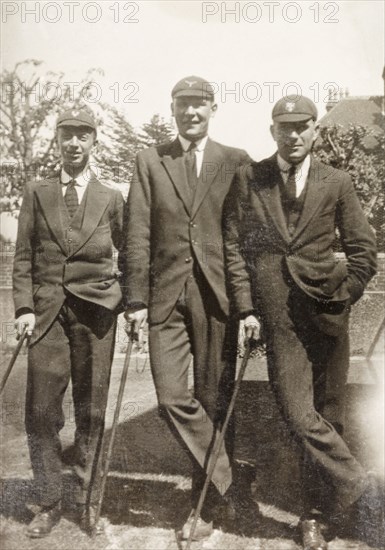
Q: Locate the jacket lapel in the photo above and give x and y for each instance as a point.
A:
(314, 194)
(50, 199)
(212, 161)
(87, 218)
(172, 160)
(271, 196)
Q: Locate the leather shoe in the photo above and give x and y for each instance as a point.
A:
(312, 538)
(240, 512)
(87, 516)
(44, 521)
(203, 528)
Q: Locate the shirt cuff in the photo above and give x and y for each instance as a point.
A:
(23, 311)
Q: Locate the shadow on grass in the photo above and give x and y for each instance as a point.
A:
(148, 482)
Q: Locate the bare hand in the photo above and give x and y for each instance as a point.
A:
(136, 319)
(252, 329)
(26, 320)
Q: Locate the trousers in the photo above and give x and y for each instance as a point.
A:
(196, 328)
(78, 347)
(308, 371)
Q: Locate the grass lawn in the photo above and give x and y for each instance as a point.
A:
(147, 496)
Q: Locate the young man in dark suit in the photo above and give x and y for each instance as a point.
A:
(174, 268)
(280, 225)
(66, 294)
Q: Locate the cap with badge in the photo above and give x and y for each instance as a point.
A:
(76, 117)
(294, 108)
(193, 86)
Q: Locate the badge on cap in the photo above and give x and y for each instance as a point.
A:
(76, 117)
(294, 108)
(193, 86)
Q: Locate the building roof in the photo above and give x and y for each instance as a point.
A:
(360, 110)
(357, 110)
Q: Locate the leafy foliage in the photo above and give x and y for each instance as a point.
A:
(155, 132)
(30, 102)
(359, 151)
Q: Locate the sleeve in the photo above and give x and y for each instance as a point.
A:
(117, 222)
(236, 269)
(358, 240)
(136, 238)
(22, 266)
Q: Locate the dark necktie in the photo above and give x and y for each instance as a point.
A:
(71, 198)
(190, 162)
(291, 186)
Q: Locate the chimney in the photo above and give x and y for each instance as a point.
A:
(332, 99)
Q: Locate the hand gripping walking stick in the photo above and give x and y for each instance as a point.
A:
(114, 426)
(13, 359)
(219, 442)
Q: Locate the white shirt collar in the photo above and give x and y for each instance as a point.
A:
(201, 144)
(302, 167)
(81, 180)
(301, 172)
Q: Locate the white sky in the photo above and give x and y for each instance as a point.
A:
(171, 41)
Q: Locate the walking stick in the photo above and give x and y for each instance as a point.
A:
(113, 429)
(217, 447)
(13, 359)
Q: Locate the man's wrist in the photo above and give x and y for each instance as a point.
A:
(244, 314)
(135, 306)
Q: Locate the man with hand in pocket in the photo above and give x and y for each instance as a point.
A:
(280, 221)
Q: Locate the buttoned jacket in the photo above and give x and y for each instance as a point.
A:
(169, 228)
(257, 238)
(56, 255)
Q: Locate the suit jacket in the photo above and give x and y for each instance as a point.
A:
(256, 233)
(168, 229)
(55, 254)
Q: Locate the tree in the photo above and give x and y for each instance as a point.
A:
(347, 149)
(155, 132)
(30, 102)
(116, 149)
(22, 124)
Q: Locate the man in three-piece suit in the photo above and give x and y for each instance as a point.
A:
(174, 267)
(280, 225)
(66, 294)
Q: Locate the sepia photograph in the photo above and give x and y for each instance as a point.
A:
(192, 275)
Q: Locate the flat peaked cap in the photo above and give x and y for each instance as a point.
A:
(294, 108)
(76, 117)
(193, 86)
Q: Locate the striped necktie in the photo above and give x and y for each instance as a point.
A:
(71, 198)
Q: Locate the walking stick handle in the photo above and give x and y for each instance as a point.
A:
(13, 359)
